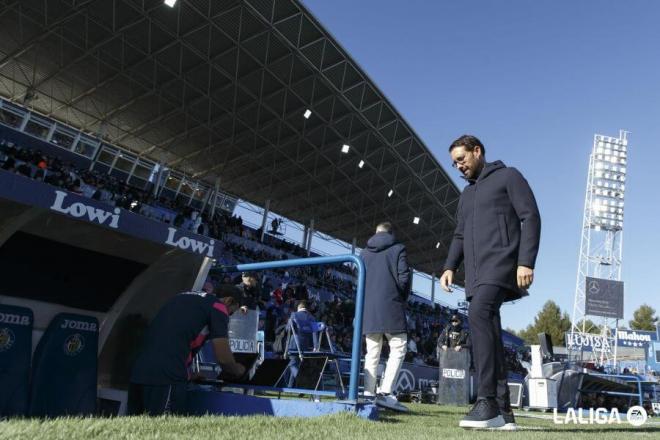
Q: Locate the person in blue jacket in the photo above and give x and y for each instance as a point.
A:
(497, 238)
(302, 321)
(387, 287)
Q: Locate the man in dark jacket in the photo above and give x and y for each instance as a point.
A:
(387, 286)
(497, 236)
(301, 339)
(454, 336)
(160, 375)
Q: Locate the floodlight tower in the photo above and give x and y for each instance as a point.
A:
(601, 245)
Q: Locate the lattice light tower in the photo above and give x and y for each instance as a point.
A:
(601, 245)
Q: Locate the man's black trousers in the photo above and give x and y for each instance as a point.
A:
(487, 347)
(156, 400)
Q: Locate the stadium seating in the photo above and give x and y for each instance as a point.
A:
(65, 368)
(329, 289)
(15, 350)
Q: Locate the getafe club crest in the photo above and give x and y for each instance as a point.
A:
(74, 344)
(7, 339)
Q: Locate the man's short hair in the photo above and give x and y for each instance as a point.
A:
(301, 305)
(249, 274)
(384, 227)
(469, 142)
(229, 290)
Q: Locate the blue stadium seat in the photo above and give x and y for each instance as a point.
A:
(15, 350)
(65, 368)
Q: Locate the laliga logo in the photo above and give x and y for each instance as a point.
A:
(74, 344)
(186, 243)
(79, 210)
(636, 416)
(7, 339)
(406, 381)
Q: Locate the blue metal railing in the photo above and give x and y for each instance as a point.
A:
(626, 378)
(359, 301)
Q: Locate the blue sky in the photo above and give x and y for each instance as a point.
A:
(534, 80)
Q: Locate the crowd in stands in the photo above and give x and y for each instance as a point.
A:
(328, 289)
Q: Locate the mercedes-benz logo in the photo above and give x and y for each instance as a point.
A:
(594, 287)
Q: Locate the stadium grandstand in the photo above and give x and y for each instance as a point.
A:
(130, 131)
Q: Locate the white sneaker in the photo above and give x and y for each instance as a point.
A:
(390, 402)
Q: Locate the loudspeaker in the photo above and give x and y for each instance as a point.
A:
(546, 345)
(515, 393)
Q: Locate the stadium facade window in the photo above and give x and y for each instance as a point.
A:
(37, 127)
(228, 204)
(125, 163)
(172, 183)
(142, 171)
(63, 138)
(10, 117)
(107, 155)
(186, 188)
(200, 194)
(86, 148)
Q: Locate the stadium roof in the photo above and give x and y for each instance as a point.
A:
(218, 89)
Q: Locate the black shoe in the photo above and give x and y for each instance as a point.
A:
(509, 420)
(484, 414)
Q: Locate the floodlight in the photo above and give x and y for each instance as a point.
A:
(416, 220)
(307, 114)
(361, 164)
(345, 148)
(390, 192)
(170, 3)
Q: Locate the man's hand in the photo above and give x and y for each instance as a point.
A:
(446, 280)
(525, 277)
(457, 348)
(232, 371)
(238, 370)
(244, 310)
(444, 347)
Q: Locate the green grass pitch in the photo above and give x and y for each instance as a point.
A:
(423, 422)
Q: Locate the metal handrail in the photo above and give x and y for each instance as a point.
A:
(627, 378)
(359, 300)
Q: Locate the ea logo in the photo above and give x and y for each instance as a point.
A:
(406, 381)
(594, 287)
(7, 339)
(636, 415)
(74, 344)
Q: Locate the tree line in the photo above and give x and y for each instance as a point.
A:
(550, 319)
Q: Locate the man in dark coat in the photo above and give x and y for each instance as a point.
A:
(160, 375)
(301, 339)
(454, 336)
(387, 286)
(497, 237)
